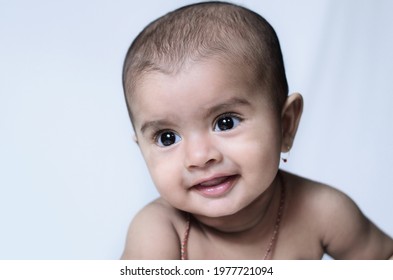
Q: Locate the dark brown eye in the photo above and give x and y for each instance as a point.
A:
(226, 123)
(167, 138)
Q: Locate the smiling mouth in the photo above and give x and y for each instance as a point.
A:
(216, 187)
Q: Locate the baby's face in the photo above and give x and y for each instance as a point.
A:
(210, 139)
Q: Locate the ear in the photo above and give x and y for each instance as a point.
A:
(290, 118)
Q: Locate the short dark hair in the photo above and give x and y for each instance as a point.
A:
(205, 30)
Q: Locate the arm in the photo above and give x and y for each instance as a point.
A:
(151, 235)
(350, 235)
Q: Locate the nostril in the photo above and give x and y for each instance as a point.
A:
(200, 151)
(201, 158)
(210, 161)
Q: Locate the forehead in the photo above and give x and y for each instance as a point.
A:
(192, 80)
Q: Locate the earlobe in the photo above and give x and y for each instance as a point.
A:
(290, 118)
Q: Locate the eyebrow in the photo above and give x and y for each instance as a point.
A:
(156, 124)
(226, 105)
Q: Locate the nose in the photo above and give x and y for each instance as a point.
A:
(201, 151)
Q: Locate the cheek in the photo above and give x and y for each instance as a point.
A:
(167, 177)
(257, 156)
(256, 151)
(164, 169)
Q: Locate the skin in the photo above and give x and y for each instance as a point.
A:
(233, 219)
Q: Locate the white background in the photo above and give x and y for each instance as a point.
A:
(71, 177)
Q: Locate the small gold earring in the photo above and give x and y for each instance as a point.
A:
(286, 157)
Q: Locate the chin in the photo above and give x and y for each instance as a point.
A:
(220, 211)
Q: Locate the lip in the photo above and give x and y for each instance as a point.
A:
(216, 186)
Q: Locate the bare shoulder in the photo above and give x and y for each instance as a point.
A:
(154, 233)
(343, 230)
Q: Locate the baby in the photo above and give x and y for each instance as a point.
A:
(207, 95)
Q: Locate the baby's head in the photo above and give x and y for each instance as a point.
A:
(207, 95)
(211, 30)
